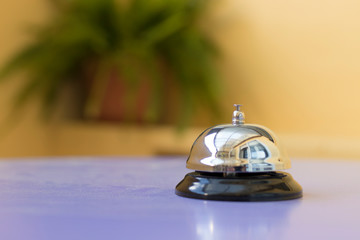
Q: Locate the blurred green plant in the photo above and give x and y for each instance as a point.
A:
(136, 37)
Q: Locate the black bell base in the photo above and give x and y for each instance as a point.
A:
(248, 187)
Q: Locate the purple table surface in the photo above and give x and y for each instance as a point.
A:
(133, 198)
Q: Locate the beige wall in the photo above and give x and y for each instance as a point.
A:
(293, 64)
(26, 136)
(296, 67)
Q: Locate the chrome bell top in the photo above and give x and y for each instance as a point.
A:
(236, 148)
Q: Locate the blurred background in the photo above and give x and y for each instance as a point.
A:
(294, 65)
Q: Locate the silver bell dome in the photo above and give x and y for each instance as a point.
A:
(237, 148)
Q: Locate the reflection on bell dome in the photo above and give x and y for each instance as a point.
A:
(256, 153)
(237, 148)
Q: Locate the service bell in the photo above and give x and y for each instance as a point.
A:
(238, 162)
